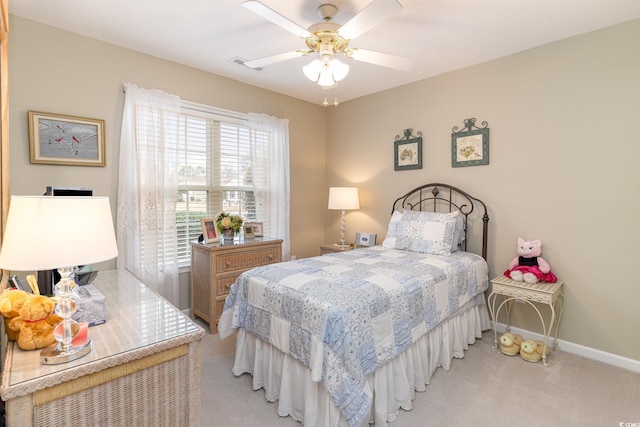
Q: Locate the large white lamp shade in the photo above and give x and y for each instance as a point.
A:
(45, 232)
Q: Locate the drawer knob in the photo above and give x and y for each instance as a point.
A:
(270, 256)
(228, 263)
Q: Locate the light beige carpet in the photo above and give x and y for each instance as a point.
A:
(486, 388)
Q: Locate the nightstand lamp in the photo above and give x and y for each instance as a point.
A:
(45, 232)
(343, 198)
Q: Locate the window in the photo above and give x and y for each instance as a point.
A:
(214, 174)
(163, 137)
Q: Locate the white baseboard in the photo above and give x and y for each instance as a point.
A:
(580, 350)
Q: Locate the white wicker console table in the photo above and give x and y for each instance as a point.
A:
(541, 292)
(143, 370)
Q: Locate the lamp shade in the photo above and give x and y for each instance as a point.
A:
(343, 198)
(45, 232)
(312, 70)
(326, 71)
(339, 70)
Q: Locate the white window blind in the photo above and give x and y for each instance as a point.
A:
(215, 174)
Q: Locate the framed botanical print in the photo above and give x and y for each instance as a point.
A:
(470, 146)
(408, 151)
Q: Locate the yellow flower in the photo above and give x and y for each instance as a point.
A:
(225, 221)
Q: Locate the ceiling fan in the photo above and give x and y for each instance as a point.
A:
(328, 38)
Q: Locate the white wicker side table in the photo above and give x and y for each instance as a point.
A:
(541, 292)
(143, 370)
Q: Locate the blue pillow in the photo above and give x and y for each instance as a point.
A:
(426, 232)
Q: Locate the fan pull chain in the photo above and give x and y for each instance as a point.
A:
(335, 98)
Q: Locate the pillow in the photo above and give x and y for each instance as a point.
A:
(392, 228)
(426, 232)
(458, 234)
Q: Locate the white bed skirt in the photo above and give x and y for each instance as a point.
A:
(394, 384)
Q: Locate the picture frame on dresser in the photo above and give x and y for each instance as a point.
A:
(248, 231)
(256, 228)
(209, 230)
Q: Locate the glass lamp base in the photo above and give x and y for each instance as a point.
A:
(54, 354)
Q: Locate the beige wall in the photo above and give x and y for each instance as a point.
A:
(59, 72)
(563, 168)
(563, 152)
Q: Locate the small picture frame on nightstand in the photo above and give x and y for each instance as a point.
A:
(365, 239)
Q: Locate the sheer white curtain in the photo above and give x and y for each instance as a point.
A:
(270, 166)
(147, 189)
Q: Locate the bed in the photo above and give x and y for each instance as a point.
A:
(346, 339)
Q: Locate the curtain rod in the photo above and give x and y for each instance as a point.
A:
(202, 108)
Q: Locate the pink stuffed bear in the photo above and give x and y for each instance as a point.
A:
(529, 266)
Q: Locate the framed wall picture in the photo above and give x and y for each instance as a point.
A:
(408, 151)
(56, 139)
(256, 228)
(209, 230)
(470, 146)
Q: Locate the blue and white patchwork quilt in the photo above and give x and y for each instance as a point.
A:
(345, 314)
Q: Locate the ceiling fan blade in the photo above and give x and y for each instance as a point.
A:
(273, 16)
(257, 63)
(383, 59)
(375, 13)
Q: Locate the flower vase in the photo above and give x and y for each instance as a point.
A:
(228, 235)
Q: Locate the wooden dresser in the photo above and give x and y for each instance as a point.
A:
(214, 268)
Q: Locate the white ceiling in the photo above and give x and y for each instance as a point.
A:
(440, 35)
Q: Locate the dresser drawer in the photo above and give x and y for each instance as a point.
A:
(247, 259)
(223, 284)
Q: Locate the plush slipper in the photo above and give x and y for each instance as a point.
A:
(510, 344)
(531, 350)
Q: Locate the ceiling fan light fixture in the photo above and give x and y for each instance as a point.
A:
(326, 79)
(338, 69)
(326, 38)
(312, 70)
(326, 71)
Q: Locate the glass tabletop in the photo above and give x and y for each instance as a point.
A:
(137, 318)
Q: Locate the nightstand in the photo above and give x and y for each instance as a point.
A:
(541, 292)
(327, 249)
